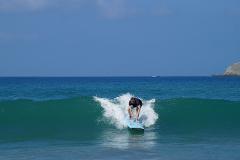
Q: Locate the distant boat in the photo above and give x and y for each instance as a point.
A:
(154, 76)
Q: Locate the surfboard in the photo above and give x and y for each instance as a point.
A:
(134, 124)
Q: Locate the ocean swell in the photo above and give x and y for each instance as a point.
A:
(81, 117)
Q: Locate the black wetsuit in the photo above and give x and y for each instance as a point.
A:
(134, 102)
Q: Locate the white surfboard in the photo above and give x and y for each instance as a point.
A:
(134, 124)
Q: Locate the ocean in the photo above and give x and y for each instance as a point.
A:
(69, 118)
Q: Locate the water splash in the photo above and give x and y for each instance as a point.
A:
(115, 110)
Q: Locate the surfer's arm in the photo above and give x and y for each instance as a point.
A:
(130, 112)
(138, 111)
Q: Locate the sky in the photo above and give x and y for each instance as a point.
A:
(118, 37)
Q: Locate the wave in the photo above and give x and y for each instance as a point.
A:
(188, 115)
(26, 119)
(81, 117)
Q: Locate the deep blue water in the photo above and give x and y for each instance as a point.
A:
(226, 88)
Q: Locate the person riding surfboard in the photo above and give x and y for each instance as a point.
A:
(134, 103)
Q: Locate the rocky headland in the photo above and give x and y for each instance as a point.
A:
(233, 70)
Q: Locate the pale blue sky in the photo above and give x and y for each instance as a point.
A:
(118, 37)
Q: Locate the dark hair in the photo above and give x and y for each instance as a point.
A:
(132, 101)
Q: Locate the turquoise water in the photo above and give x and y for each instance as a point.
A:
(83, 118)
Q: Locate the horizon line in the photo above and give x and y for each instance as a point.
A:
(113, 76)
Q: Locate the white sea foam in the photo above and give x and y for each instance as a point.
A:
(115, 110)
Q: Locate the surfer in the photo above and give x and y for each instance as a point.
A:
(134, 103)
